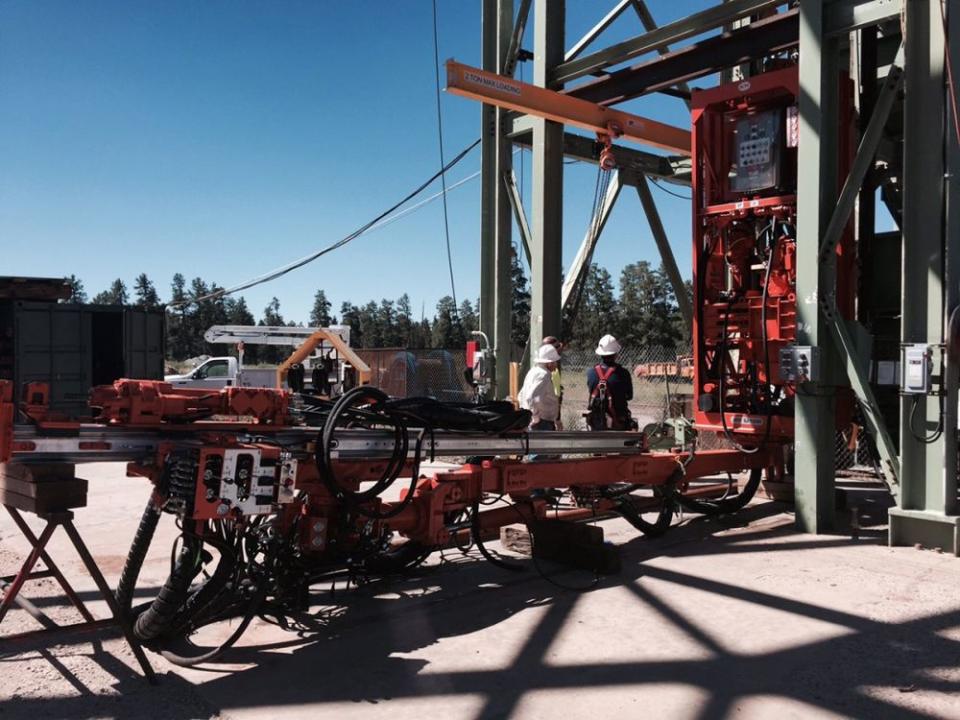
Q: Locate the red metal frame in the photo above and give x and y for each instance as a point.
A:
(730, 266)
(156, 405)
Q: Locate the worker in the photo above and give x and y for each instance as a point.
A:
(555, 377)
(537, 394)
(611, 389)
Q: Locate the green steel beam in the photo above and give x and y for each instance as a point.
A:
(547, 182)
(928, 506)
(594, 32)
(580, 266)
(664, 36)
(666, 252)
(859, 375)
(488, 177)
(816, 173)
(513, 193)
(509, 64)
(503, 226)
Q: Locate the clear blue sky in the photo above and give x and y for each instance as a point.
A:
(224, 138)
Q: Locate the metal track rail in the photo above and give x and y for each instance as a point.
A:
(97, 443)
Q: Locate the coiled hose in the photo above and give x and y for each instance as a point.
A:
(368, 404)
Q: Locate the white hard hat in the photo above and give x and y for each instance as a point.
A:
(548, 354)
(608, 346)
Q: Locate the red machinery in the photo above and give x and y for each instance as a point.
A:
(745, 144)
(289, 489)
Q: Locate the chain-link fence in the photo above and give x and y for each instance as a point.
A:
(662, 388)
(662, 384)
(419, 373)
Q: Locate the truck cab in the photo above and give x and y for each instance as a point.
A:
(217, 372)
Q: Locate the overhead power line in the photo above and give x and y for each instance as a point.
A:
(443, 177)
(280, 272)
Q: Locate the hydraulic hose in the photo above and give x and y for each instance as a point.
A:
(726, 505)
(136, 556)
(159, 618)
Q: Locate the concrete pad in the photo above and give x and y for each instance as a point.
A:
(739, 617)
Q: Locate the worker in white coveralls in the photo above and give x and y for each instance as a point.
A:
(538, 394)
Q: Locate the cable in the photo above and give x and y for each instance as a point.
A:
(950, 82)
(925, 439)
(669, 192)
(723, 410)
(443, 177)
(274, 274)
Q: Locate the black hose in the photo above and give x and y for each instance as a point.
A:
(478, 539)
(135, 557)
(726, 505)
(158, 619)
(192, 660)
(354, 398)
(629, 512)
(201, 599)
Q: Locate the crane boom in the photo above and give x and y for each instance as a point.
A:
(269, 334)
(506, 92)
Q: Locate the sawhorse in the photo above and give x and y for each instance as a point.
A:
(14, 583)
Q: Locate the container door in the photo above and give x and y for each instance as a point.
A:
(143, 338)
(53, 345)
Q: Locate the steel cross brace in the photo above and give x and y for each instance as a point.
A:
(856, 373)
(14, 584)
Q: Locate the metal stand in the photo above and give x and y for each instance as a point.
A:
(12, 584)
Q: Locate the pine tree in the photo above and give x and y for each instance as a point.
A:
(387, 322)
(647, 307)
(597, 314)
(370, 326)
(520, 305)
(468, 317)
(447, 332)
(145, 292)
(178, 341)
(405, 328)
(116, 295)
(350, 316)
(77, 294)
(272, 318)
(320, 314)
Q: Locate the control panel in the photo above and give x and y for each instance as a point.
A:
(236, 482)
(799, 364)
(757, 154)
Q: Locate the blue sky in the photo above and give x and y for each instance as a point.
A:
(222, 139)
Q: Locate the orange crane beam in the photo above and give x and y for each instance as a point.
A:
(506, 92)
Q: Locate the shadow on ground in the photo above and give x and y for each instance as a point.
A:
(350, 654)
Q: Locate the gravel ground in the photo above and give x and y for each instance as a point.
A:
(736, 618)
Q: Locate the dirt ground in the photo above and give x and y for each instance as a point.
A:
(736, 617)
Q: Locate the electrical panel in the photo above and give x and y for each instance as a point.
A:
(917, 369)
(237, 482)
(799, 363)
(757, 152)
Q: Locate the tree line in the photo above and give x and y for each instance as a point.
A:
(643, 312)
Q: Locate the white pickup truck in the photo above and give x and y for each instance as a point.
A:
(219, 372)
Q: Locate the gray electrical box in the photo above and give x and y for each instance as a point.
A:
(799, 363)
(917, 369)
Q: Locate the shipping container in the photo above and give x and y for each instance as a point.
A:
(75, 347)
